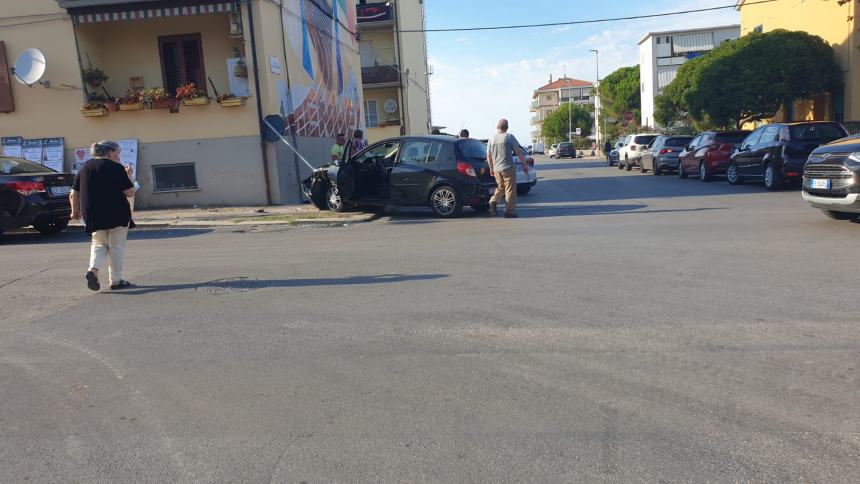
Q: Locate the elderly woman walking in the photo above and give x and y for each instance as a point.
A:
(100, 195)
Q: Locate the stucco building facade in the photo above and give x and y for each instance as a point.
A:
(549, 97)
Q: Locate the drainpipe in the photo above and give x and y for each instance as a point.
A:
(263, 146)
(404, 113)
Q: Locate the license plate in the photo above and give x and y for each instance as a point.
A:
(58, 191)
(819, 183)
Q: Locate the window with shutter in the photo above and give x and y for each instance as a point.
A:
(182, 61)
(6, 103)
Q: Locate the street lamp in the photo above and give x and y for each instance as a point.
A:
(596, 104)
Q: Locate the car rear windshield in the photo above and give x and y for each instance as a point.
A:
(822, 133)
(17, 166)
(472, 150)
(565, 145)
(678, 141)
(731, 138)
(643, 140)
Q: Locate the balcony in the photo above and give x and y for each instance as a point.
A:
(375, 14)
(534, 105)
(380, 76)
(536, 120)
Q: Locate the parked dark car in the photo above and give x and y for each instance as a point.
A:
(32, 194)
(565, 150)
(442, 172)
(662, 154)
(775, 153)
(831, 178)
(614, 155)
(709, 153)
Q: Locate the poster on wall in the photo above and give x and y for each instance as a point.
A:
(12, 146)
(33, 150)
(53, 153)
(324, 89)
(82, 155)
(128, 155)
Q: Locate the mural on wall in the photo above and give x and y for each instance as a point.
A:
(324, 94)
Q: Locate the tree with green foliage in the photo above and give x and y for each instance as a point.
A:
(750, 79)
(619, 94)
(566, 118)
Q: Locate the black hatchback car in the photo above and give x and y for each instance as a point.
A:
(565, 150)
(32, 194)
(441, 172)
(775, 153)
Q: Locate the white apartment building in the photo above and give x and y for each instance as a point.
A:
(662, 53)
(548, 98)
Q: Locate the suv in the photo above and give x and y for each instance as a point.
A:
(662, 155)
(565, 150)
(831, 178)
(709, 153)
(631, 152)
(777, 152)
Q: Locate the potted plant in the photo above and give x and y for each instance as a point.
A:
(156, 98)
(230, 100)
(191, 95)
(94, 109)
(94, 76)
(131, 101)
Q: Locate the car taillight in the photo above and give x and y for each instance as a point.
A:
(666, 150)
(27, 187)
(466, 169)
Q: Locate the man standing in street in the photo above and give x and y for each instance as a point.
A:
(337, 148)
(500, 157)
(100, 195)
(607, 148)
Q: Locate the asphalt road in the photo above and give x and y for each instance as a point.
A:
(628, 328)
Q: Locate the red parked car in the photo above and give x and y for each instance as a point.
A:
(709, 154)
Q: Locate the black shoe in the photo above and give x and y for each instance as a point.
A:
(93, 281)
(511, 215)
(494, 209)
(121, 285)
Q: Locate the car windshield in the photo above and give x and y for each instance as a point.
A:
(731, 138)
(677, 141)
(643, 140)
(821, 133)
(565, 145)
(472, 149)
(17, 166)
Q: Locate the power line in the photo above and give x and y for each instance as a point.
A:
(581, 22)
(34, 22)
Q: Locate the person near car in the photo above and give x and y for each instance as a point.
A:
(337, 148)
(100, 196)
(607, 148)
(358, 142)
(464, 134)
(500, 157)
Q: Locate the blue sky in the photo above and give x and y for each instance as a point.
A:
(481, 76)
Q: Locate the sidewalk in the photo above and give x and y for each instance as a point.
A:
(293, 215)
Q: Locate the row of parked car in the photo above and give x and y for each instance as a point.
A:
(818, 156)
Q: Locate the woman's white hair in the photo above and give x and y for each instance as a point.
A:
(103, 148)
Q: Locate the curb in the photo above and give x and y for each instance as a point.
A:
(311, 222)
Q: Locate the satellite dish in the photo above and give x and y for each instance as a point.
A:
(30, 67)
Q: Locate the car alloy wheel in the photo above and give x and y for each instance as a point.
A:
(444, 201)
(334, 200)
(771, 178)
(732, 175)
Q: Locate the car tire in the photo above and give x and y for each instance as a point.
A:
(733, 176)
(656, 171)
(524, 190)
(334, 202)
(681, 173)
(620, 164)
(836, 215)
(772, 180)
(704, 173)
(445, 202)
(319, 194)
(52, 227)
(627, 165)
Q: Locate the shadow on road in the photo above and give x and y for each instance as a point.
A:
(525, 211)
(243, 284)
(571, 165)
(77, 236)
(596, 189)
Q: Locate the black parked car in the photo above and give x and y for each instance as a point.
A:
(32, 194)
(831, 179)
(662, 154)
(776, 153)
(565, 150)
(442, 172)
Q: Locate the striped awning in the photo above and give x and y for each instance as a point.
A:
(154, 13)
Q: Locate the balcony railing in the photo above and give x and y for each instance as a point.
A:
(374, 13)
(380, 76)
(536, 120)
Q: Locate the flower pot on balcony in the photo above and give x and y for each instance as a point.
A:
(160, 104)
(94, 112)
(131, 106)
(232, 102)
(196, 101)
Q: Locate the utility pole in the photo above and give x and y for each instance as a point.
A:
(569, 119)
(597, 107)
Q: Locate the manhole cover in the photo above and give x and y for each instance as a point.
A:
(230, 285)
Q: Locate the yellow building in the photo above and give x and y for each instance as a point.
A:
(835, 23)
(393, 68)
(549, 98)
(293, 62)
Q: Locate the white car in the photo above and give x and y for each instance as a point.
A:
(552, 151)
(630, 154)
(525, 181)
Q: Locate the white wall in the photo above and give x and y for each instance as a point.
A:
(647, 80)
